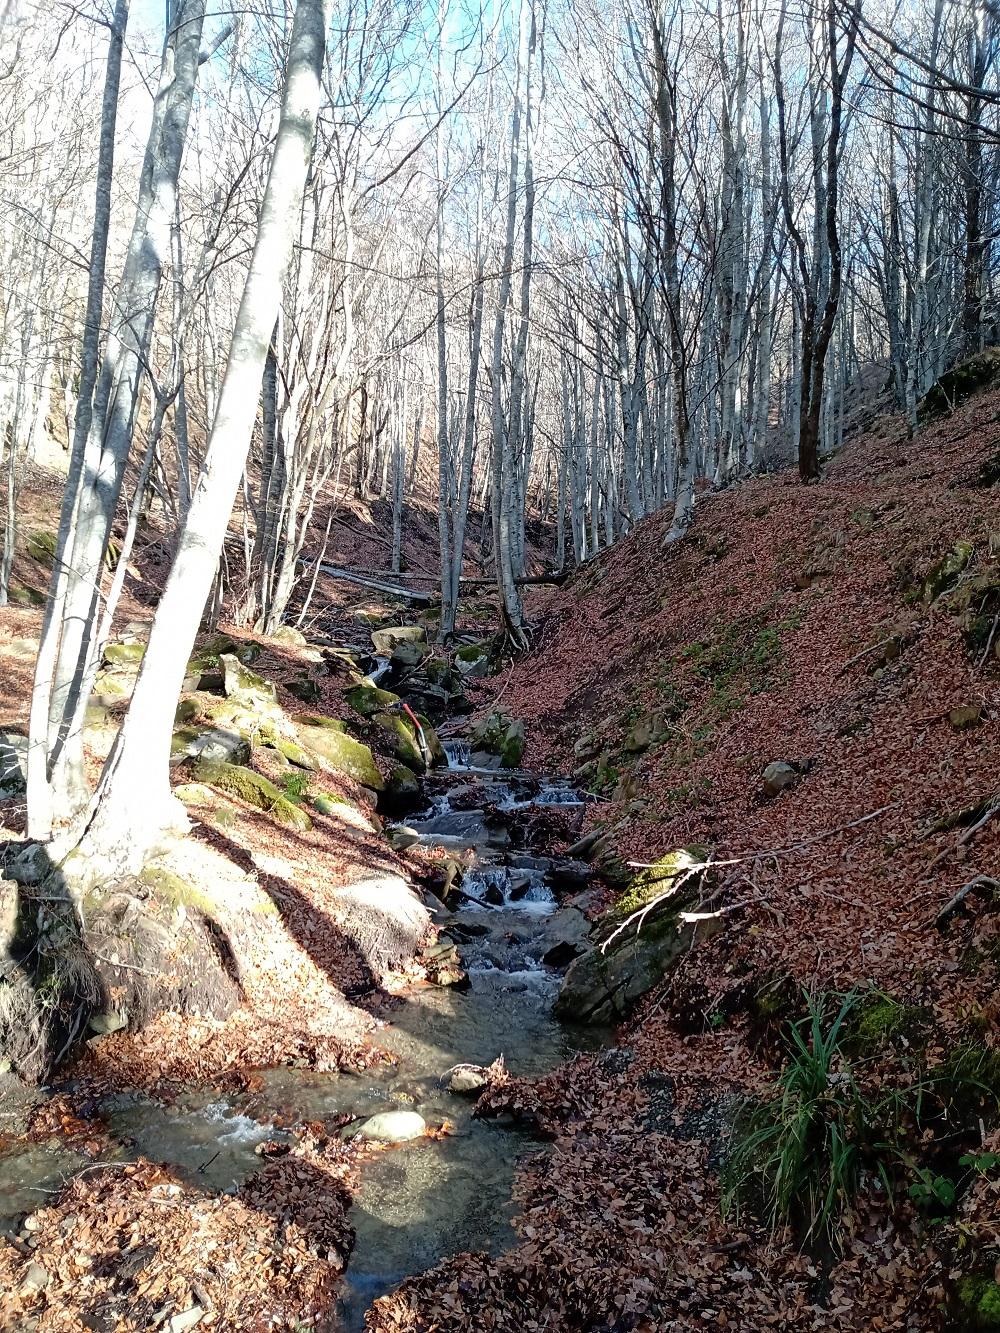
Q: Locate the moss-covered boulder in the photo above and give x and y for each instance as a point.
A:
(343, 754)
(473, 660)
(253, 789)
(400, 736)
(211, 743)
(368, 699)
(948, 570)
(676, 873)
(316, 720)
(958, 383)
(124, 656)
(239, 679)
(605, 983)
(113, 687)
(512, 746)
(402, 788)
(41, 546)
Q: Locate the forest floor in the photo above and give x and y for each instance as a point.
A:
(811, 626)
(814, 626)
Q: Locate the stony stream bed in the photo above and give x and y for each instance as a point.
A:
(437, 1195)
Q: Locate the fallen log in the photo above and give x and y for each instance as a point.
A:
(414, 595)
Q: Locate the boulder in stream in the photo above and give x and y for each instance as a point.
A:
(603, 985)
(385, 640)
(393, 1127)
(466, 1080)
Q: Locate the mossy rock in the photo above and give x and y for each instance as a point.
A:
(124, 655)
(239, 679)
(432, 741)
(315, 720)
(675, 870)
(113, 687)
(488, 733)
(343, 754)
(958, 383)
(186, 711)
(401, 737)
(402, 786)
(878, 1020)
(385, 640)
(512, 746)
(367, 700)
(41, 546)
(473, 659)
(948, 570)
(194, 793)
(295, 754)
(20, 594)
(325, 804)
(979, 1298)
(252, 789)
(289, 634)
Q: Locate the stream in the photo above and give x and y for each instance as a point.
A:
(427, 1199)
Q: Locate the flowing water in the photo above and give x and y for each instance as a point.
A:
(430, 1198)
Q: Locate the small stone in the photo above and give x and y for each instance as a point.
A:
(465, 1079)
(778, 776)
(965, 716)
(35, 1279)
(393, 1127)
(105, 1024)
(186, 1319)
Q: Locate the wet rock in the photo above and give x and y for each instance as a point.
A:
(402, 837)
(569, 875)
(512, 746)
(393, 1127)
(778, 776)
(569, 933)
(401, 738)
(465, 1080)
(603, 985)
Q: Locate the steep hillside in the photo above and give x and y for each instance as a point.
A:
(828, 1030)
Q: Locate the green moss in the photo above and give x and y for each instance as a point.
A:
(367, 700)
(326, 804)
(171, 889)
(314, 720)
(401, 738)
(343, 754)
(658, 879)
(41, 546)
(186, 711)
(472, 652)
(878, 1019)
(124, 654)
(946, 573)
(979, 1295)
(295, 754)
(253, 789)
(182, 738)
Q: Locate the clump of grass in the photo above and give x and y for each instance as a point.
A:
(798, 1154)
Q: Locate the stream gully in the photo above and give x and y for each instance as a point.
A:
(430, 1198)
